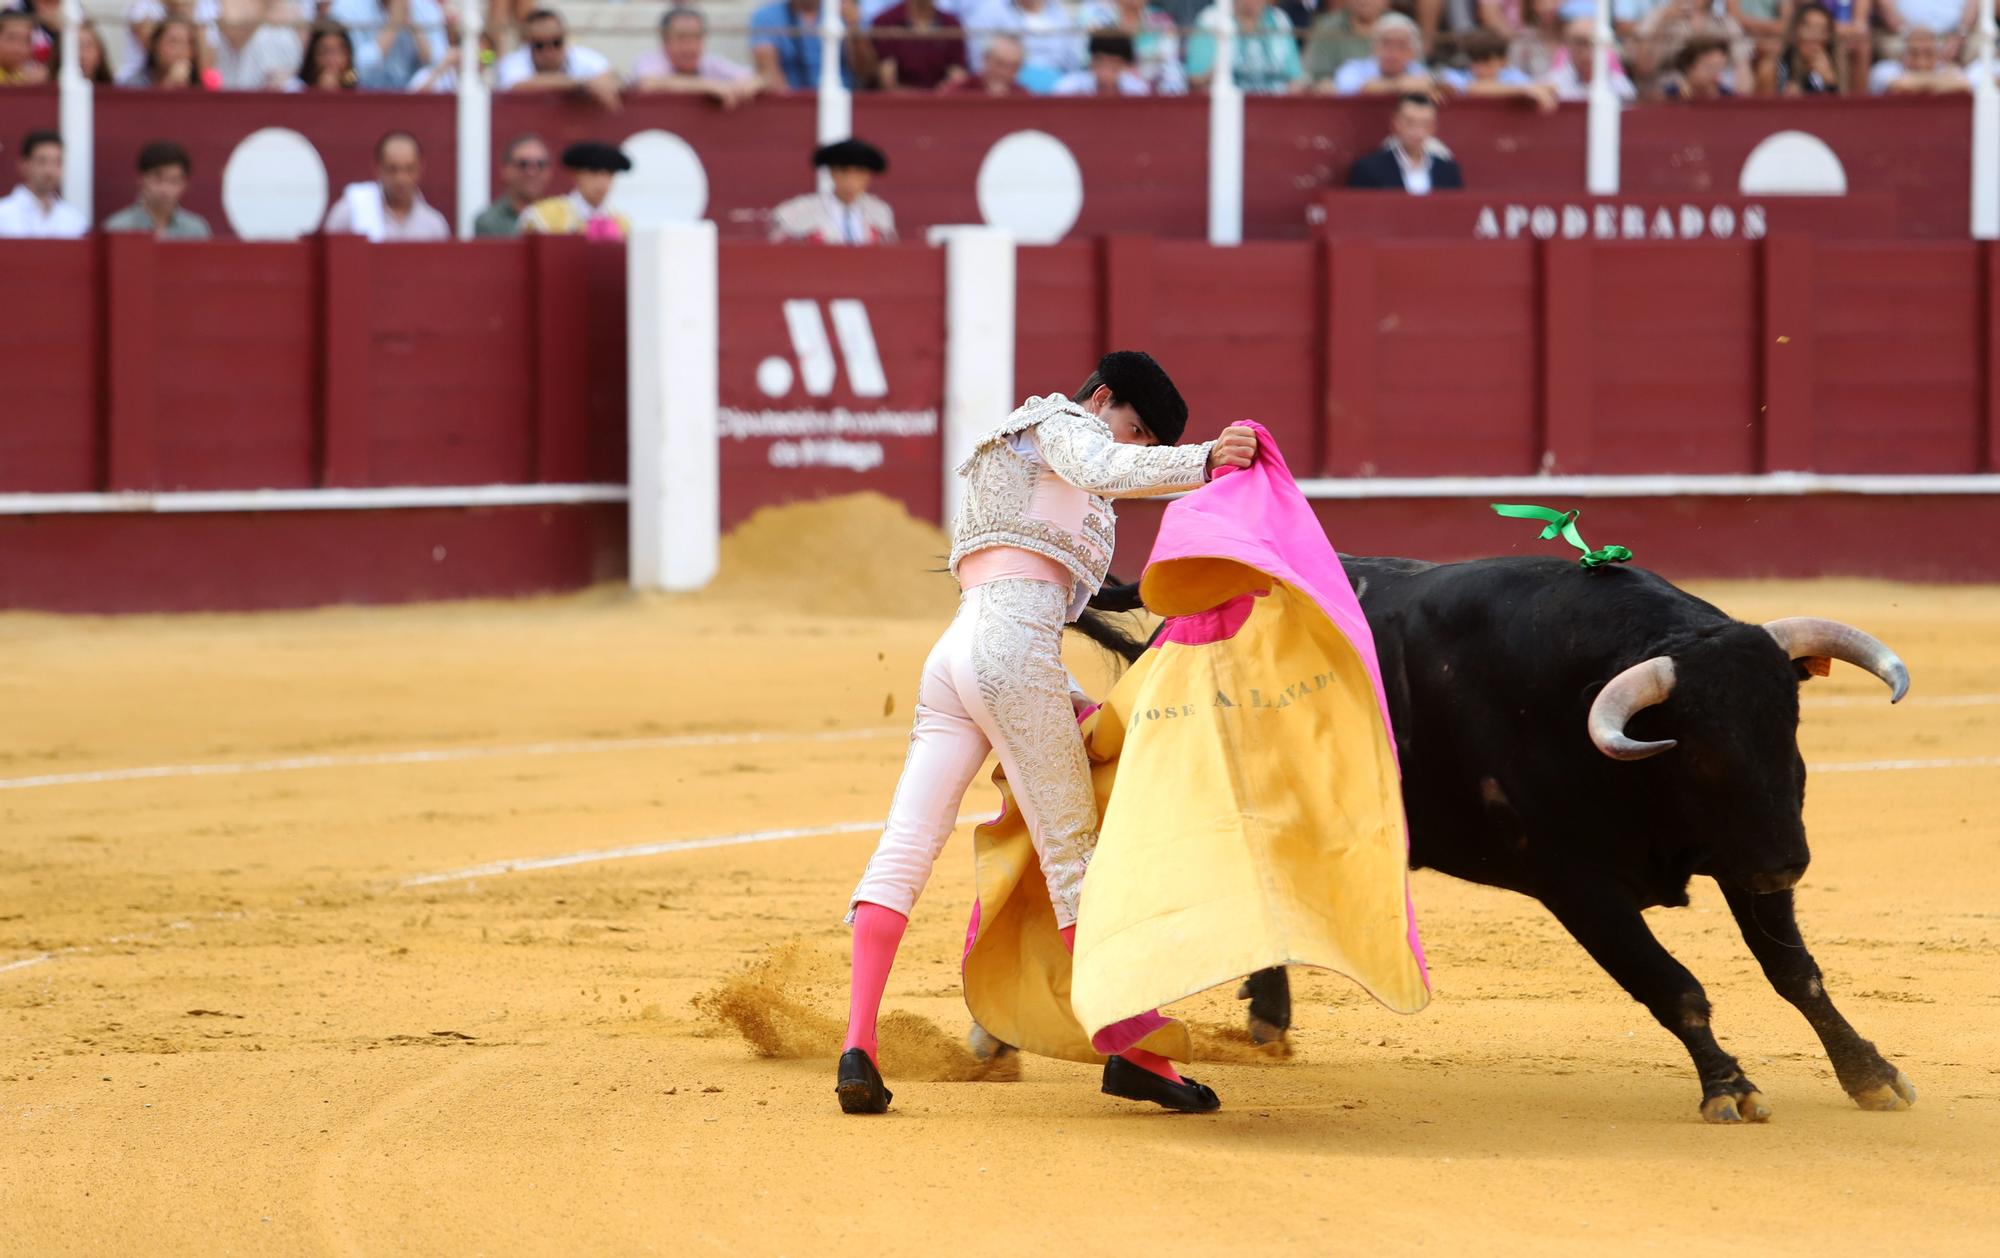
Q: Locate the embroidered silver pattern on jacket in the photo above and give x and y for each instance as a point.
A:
(1017, 662)
(1079, 448)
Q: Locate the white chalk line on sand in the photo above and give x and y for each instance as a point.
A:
(662, 742)
(634, 850)
(448, 755)
(133, 937)
(592, 856)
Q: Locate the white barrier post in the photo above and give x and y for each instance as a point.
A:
(1601, 139)
(673, 423)
(1225, 138)
(836, 103)
(76, 116)
(1985, 134)
(978, 343)
(475, 124)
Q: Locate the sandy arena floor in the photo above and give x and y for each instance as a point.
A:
(281, 1008)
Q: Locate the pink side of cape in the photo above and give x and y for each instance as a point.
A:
(1258, 516)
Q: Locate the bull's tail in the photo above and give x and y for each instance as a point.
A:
(1098, 624)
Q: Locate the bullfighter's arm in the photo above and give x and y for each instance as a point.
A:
(1081, 450)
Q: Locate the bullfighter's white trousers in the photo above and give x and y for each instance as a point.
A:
(995, 680)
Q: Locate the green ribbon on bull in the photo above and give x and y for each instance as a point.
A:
(1563, 524)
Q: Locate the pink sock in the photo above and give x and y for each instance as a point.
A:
(877, 932)
(1123, 1032)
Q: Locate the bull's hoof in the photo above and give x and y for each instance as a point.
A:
(1738, 1107)
(1262, 1032)
(1887, 1097)
(1000, 1062)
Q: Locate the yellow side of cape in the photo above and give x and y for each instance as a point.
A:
(1258, 819)
(1017, 968)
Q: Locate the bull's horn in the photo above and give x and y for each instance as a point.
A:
(1803, 636)
(1624, 696)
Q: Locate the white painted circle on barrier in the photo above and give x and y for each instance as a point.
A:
(667, 183)
(774, 377)
(274, 186)
(1030, 185)
(1792, 163)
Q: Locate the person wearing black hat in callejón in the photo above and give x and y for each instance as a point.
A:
(583, 212)
(1031, 543)
(847, 214)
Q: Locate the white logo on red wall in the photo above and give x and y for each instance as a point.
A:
(823, 436)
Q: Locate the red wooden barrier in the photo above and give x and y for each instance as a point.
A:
(49, 359)
(1431, 359)
(325, 362)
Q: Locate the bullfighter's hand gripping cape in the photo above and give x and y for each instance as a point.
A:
(1246, 775)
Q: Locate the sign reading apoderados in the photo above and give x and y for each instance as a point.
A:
(1469, 215)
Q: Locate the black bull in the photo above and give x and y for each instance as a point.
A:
(1594, 739)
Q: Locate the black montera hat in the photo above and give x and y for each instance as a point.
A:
(1139, 382)
(851, 153)
(595, 155)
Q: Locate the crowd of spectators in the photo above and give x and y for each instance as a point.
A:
(1539, 51)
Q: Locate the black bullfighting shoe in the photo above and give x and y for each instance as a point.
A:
(860, 1087)
(1122, 1078)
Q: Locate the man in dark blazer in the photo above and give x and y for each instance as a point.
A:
(1408, 162)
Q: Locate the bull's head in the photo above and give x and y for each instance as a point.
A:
(1735, 705)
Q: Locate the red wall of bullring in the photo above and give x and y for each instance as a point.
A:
(1144, 161)
(332, 363)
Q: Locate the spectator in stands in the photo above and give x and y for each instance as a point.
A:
(18, 67)
(847, 214)
(1533, 49)
(1701, 68)
(1114, 70)
(1340, 36)
(524, 174)
(328, 62)
(1918, 68)
(1805, 65)
(163, 178)
(784, 44)
(1576, 61)
(173, 58)
(1411, 159)
(1764, 21)
(548, 62)
(1155, 41)
(90, 54)
(999, 70)
(1946, 20)
(1394, 66)
(144, 15)
(1664, 31)
(682, 63)
(392, 207)
(256, 47)
(1267, 52)
(1051, 40)
(35, 209)
(1487, 73)
(393, 39)
(918, 47)
(592, 165)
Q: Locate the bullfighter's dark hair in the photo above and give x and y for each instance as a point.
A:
(1142, 384)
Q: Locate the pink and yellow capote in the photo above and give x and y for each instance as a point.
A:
(1246, 776)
